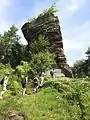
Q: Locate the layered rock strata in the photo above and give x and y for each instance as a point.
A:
(48, 25)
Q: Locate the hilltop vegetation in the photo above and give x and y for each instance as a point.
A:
(59, 99)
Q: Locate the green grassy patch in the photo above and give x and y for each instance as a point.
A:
(64, 99)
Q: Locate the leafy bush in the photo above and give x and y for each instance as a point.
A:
(41, 61)
(5, 69)
(23, 68)
(14, 85)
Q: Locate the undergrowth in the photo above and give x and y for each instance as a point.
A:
(59, 99)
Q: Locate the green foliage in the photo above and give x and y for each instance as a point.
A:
(78, 68)
(76, 97)
(46, 13)
(51, 11)
(9, 50)
(41, 44)
(88, 52)
(75, 92)
(41, 56)
(41, 61)
(9, 37)
(5, 69)
(81, 68)
(87, 62)
(23, 69)
(62, 99)
(14, 85)
(17, 54)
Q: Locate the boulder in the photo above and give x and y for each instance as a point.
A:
(14, 115)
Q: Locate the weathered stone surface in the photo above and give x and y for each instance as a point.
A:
(49, 27)
(13, 115)
(57, 73)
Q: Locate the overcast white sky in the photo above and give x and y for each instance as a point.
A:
(74, 19)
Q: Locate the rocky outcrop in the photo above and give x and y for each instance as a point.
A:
(13, 115)
(48, 25)
(56, 73)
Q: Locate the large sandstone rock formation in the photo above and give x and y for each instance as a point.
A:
(48, 25)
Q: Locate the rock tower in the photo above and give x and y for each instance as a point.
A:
(48, 25)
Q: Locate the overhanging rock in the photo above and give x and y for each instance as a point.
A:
(48, 25)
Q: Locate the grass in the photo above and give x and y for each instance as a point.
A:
(59, 99)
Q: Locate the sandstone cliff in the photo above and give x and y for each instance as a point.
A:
(48, 25)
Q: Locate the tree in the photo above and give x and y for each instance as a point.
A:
(41, 44)
(78, 68)
(87, 62)
(11, 51)
(6, 42)
(88, 52)
(16, 54)
(81, 68)
(41, 61)
(41, 55)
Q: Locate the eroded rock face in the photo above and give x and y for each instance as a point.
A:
(49, 27)
(13, 115)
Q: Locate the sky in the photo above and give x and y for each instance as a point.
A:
(74, 17)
